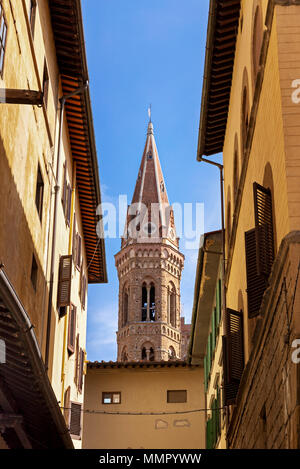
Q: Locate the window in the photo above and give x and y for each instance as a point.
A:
(72, 329)
(39, 193)
(233, 354)
(148, 354)
(75, 420)
(259, 249)
(213, 425)
(34, 272)
(82, 289)
(32, 15)
(172, 353)
(76, 374)
(244, 118)
(81, 369)
(45, 84)
(257, 41)
(3, 35)
(174, 397)
(172, 305)
(64, 284)
(78, 251)
(111, 398)
(152, 303)
(235, 175)
(67, 405)
(144, 303)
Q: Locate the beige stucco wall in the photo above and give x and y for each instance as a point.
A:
(144, 390)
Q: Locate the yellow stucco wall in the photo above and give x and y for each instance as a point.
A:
(28, 137)
(144, 390)
(268, 148)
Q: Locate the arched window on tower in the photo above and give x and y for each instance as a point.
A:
(172, 305)
(125, 306)
(124, 356)
(172, 353)
(152, 302)
(144, 302)
(148, 353)
(148, 302)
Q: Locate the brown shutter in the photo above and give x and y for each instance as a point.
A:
(75, 420)
(67, 405)
(76, 361)
(72, 329)
(256, 284)
(74, 240)
(233, 354)
(64, 191)
(64, 281)
(263, 229)
(80, 371)
(83, 291)
(78, 263)
(68, 214)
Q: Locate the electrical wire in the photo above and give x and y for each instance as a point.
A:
(104, 412)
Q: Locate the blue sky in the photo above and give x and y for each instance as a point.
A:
(142, 52)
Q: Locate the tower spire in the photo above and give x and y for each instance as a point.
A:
(150, 206)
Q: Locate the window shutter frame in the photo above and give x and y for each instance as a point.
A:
(263, 214)
(75, 420)
(64, 281)
(72, 329)
(76, 373)
(233, 354)
(256, 284)
(67, 404)
(80, 372)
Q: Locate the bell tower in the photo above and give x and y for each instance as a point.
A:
(149, 267)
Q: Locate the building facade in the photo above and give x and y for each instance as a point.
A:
(49, 248)
(149, 269)
(161, 393)
(251, 112)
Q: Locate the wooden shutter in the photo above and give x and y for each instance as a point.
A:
(83, 290)
(74, 239)
(263, 229)
(68, 208)
(76, 374)
(80, 371)
(219, 301)
(233, 354)
(78, 260)
(64, 188)
(75, 419)
(213, 328)
(67, 404)
(64, 281)
(72, 329)
(209, 436)
(256, 284)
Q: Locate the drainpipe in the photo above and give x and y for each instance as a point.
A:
(221, 169)
(56, 194)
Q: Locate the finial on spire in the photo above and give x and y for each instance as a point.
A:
(149, 113)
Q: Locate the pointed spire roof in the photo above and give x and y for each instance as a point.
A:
(150, 192)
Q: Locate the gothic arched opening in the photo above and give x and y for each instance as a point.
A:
(172, 353)
(148, 302)
(172, 305)
(148, 353)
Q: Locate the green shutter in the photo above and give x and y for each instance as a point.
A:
(209, 354)
(213, 329)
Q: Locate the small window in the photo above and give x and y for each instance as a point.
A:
(32, 15)
(72, 329)
(176, 396)
(39, 193)
(45, 84)
(149, 155)
(78, 251)
(3, 35)
(111, 398)
(75, 420)
(34, 272)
